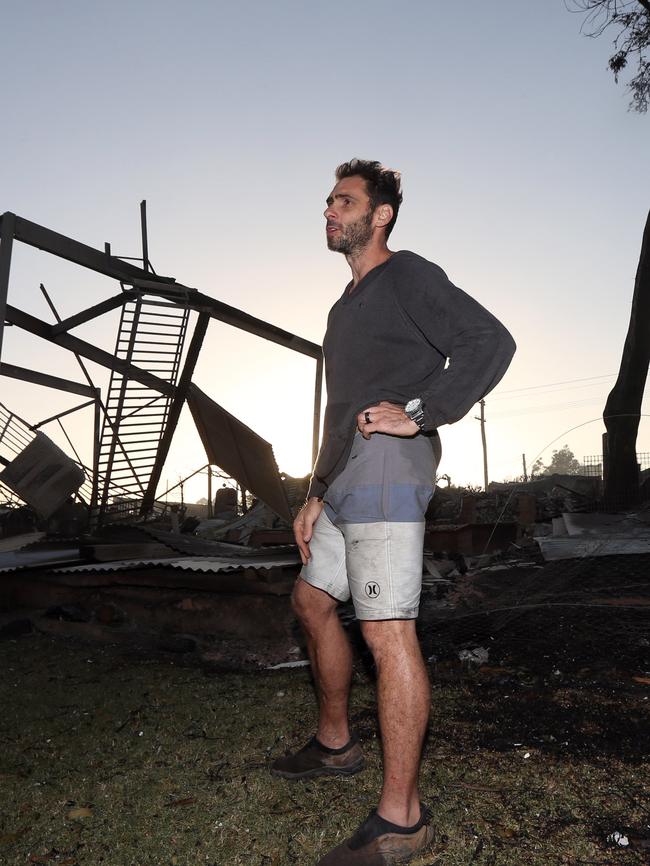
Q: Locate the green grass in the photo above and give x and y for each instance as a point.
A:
(171, 766)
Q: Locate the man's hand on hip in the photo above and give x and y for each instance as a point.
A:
(386, 418)
(303, 526)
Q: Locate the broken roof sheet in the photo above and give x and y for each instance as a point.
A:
(239, 451)
(37, 558)
(18, 542)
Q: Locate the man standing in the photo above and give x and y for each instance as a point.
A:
(405, 352)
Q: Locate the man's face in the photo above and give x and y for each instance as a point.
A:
(349, 218)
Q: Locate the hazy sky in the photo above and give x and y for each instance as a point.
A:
(525, 177)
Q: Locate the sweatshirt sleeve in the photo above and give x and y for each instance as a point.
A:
(316, 488)
(478, 347)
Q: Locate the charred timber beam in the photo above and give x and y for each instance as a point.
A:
(46, 379)
(104, 263)
(232, 316)
(92, 312)
(244, 321)
(74, 251)
(145, 237)
(86, 350)
(6, 241)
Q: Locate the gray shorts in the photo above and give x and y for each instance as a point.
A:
(367, 542)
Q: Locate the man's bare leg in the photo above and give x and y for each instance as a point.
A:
(403, 697)
(331, 661)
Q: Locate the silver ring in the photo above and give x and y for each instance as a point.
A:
(366, 415)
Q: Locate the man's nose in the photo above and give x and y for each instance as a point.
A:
(328, 213)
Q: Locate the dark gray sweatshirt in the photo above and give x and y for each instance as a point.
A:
(389, 339)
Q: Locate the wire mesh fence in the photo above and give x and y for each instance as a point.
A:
(592, 465)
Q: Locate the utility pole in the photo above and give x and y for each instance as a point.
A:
(481, 418)
(523, 460)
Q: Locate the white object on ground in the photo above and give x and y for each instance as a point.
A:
(300, 663)
(477, 656)
(618, 839)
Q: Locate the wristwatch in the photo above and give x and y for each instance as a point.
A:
(415, 411)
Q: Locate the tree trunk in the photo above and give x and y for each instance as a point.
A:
(623, 408)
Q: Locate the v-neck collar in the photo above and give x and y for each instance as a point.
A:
(352, 293)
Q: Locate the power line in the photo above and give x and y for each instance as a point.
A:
(554, 407)
(550, 408)
(552, 384)
(550, 390)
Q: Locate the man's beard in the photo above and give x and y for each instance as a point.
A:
(353, 238)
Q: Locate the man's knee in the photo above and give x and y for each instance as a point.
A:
(388, 636)
(311, 605)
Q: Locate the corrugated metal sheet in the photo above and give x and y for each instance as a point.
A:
(195, 563)
(42, 558)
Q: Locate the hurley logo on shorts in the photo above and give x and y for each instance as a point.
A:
(372, 589)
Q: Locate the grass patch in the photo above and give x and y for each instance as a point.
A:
(112, 758)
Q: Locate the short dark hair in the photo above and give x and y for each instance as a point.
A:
(383, 185)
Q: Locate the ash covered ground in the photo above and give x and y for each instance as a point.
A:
(538, 749)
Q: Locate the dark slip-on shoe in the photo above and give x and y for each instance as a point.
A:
(377, 842)
(315, 759)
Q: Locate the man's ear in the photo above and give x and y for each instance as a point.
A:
(383, 215)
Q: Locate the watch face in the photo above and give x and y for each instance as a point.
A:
(413, 405)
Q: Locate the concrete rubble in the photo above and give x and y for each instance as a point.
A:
(220, 588)
(579, 535)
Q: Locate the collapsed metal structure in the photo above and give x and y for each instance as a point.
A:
(150, 375)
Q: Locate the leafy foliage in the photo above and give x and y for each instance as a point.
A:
(563, 462)
(631, 18)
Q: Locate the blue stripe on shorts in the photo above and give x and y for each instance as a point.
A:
(386, 478)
